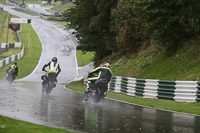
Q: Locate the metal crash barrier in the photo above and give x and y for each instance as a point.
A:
(12, 58)
(180, 91)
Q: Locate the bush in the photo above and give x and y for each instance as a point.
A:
(169, 21)
(128, 29)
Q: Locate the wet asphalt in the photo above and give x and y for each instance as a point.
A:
(24, 100)
(66, 109)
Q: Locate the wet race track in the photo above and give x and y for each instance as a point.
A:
(65, 109)
(23, 100)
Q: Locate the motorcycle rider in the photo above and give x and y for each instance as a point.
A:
(14, 68)
(53, 67)
(101, 73)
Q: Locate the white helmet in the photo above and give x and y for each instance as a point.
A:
(107, 65)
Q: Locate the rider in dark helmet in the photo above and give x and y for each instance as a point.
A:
(53, 66)
(55, 59)
(13, 67)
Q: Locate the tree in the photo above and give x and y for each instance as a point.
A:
(91, 20)
(128, 29)
(171, 21)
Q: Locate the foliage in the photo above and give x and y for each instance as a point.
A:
(11, 52)
(91, 20)
(128, 29)
(109, 26)
(169, 21)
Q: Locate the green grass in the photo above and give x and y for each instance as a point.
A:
(11, 52)
(32, 52)
(29, 1)
(61, 8)
(8, 35)
(153, 62)
(182, 65)
(37, 2)
(58, 3)
(8, 125)
(33, 49)
(3, 3)
(62, 23)
(2, 16)
(84, 58)
(58, 22)
(12, 36)
(76, 86)
(191, 108)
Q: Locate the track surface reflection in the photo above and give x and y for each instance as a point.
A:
(65, 109)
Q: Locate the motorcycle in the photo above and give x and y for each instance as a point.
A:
(49, 82)
(10, 76)
(96, 91)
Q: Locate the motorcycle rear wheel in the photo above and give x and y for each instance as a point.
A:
(98, 96)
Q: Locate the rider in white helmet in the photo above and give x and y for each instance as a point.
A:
(101, 73)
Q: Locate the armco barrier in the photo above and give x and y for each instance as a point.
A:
(28, 10)
(198, 91)
(12, 58)
(181, 91)
(11, 45)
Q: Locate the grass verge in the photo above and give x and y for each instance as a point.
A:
(84, 58)
(29, 2)
(33, 49)
(163, 63)
(8, 35)
(11, 52)
(32, 52)
(3, 3)
(61, 8)
(191, 108)
(8, 125)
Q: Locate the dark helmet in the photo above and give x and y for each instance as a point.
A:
(54, 59)
(15, 63)
(107, 65)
